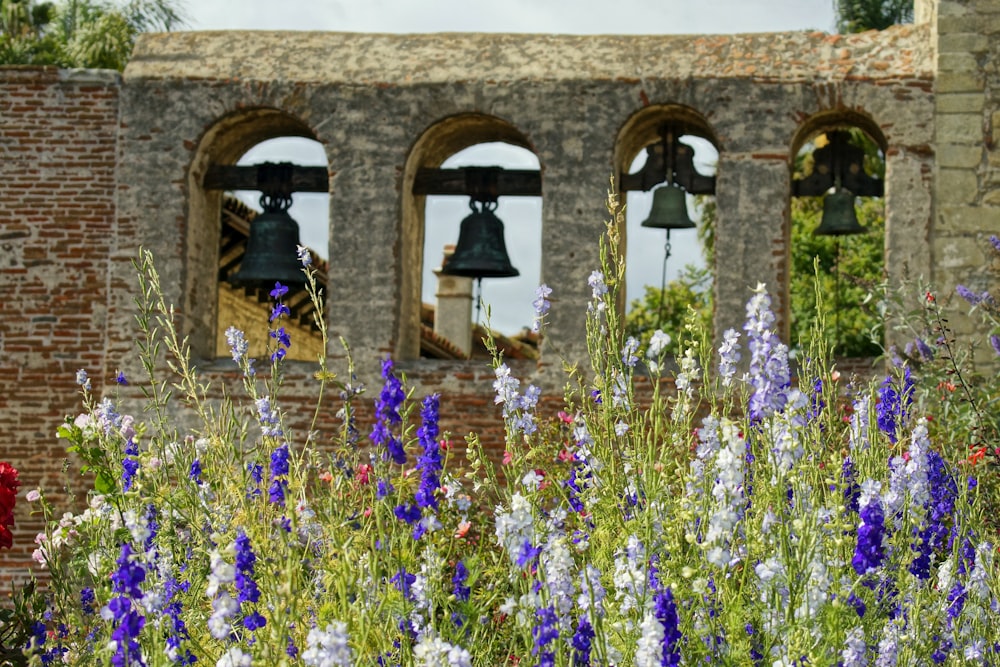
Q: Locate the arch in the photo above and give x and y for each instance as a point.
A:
(641, 130)
(834, 252)
(223, 143)
(431, 149)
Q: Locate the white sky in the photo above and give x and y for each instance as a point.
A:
(509, 299)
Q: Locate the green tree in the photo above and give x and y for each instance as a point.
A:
(96, 34)
(862, 15)
(668, 309)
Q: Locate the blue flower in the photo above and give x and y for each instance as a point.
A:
(429, 462)
(130, 464)
(279, 291)
(403, 581)
(869, 553)
(458, 580)
(541, 305)
(666, 613)
(387, 415)
(195, 471)
(581, 642)
(545, 631)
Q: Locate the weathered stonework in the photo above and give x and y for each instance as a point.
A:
(96, 166)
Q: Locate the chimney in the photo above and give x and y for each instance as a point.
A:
(453, 313)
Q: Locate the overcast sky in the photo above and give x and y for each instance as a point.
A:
(510, 299)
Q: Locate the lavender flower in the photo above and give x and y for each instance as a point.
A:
(82, 379)
(729, 356)
(541, 305)
(855, 649)
(995, 242)
(995, 342)
(387, 416)
(769, 375)
(270, 420)
(967, 294)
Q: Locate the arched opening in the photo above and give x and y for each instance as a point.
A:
(667, 155)
(225, 199)
(838, 234)
(437, 312)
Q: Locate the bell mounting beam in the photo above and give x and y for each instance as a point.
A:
(668, 160)
(838, 164)
(483, 183)
(232, 177)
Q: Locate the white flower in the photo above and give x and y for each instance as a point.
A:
(432, 651)
(649, 652)
(328, 648)
(33, 495)
(657, 343)
(855, 648)
(234, 657)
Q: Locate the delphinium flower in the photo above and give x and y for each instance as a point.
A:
(541, 305)
(918, 348)
(581, 642)
(123, 612)
(234, 657)
(598, 289)
(432, 651)
(279, 473)
(328, 647)
(684, 381)
(517, 408)
(238, 347)
(429, 462)
(893, 404)
(849, 483)
(194, 472)
(303, 254)
(558, 567)
(629, 350)
(460, 589)
(855, 653)
(280, 335)
(545, 632)
(630, 576)
(37, 645)
(177, 631)
(858, 434)
(514, 527)
(995, 343)
(869, 554)
(82, 379)
(727, 491)
(224, 607)
(887, 652)
(769, 373)
(729, 356)
(246, 588)
(256, 472)
(270, 420)
(387, 416)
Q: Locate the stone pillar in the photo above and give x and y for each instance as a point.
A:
(453, 314)
(751, 237)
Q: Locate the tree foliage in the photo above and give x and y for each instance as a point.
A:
(862, 15)
(97, 34)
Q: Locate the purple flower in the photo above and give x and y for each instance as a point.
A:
(279, 291)
(545, 632)
(279, 310)
(461, 575)
(387, 415)
(581, 642)
(429, 462)
(968, 295)
(541, 305)
(128, 622)
(284, 342)
(195, 471)
(666, 613)
(278, 469)
(408, 513)
(130, 464)
(892, 405)
(403, 581)
(121, 379)
(995, 241)
(769, 373)
(245, 561)
(126, 579)
(869, 553)
(995, 343)
(87, 600)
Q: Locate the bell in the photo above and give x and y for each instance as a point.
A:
(272, 253)
(839, 218)
(669, 209)
(480, 251)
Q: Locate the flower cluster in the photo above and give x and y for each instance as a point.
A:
(9, 484)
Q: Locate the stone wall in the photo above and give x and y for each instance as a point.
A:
(967, 141)
(57, 183)
(96, 166)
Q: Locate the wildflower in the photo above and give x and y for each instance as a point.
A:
(870, 551)
(460, 590)
(995, 341)
(82, 379)
(304, 255)
(729, 356)
(403, 581)
(387, 415)
(855, 649)
(629, 357)
(238, 345)
(597, 285)
(658, 342)
(224, 607)
(769, 374)
(432, 651)
(429, 462)
(128, 623)
(541, 305)
(234, 657)
(995, 242)
(270, 420)
(9, 484)
(967, 294)
(284, 342)
(581, 642)
(893, 403)
(120, 378)
(544, 632)
(194, 473)
(329, 647)
(245, 563)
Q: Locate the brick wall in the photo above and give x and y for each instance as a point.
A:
(57, 185)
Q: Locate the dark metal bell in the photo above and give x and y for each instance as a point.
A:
(272, 253)
(839, 217)
(480, 251)
(669, 209)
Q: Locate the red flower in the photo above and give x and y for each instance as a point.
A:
(9, 485)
